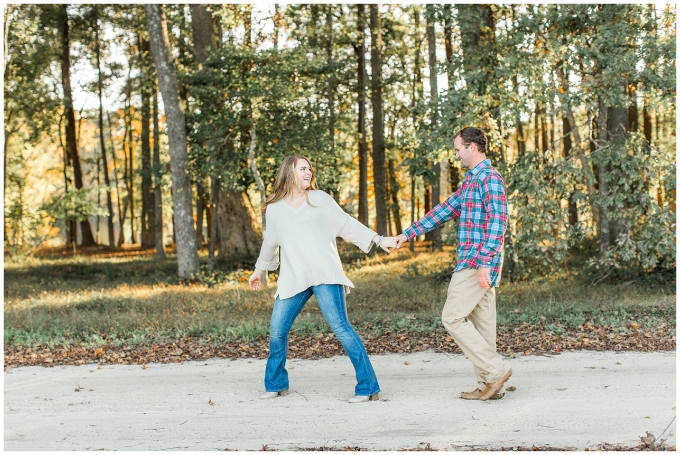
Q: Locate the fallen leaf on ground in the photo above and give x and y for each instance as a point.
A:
(527, 339)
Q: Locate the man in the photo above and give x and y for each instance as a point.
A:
(469, 314)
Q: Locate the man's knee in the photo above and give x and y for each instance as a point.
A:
(452, 323)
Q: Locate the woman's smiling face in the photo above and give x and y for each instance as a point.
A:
(303, 172)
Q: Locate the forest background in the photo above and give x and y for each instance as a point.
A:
(132, 128)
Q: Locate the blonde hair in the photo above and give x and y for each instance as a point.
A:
(286, 178)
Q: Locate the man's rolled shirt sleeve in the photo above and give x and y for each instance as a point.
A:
(446, 211)
(496, 206)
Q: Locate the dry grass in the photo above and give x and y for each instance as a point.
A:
(137, 300)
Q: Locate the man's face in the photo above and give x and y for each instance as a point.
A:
(465, 153)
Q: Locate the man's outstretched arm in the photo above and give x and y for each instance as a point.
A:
(440, 214)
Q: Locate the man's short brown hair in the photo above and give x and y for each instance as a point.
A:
(470, 134)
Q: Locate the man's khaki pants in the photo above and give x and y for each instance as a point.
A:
(469, 315)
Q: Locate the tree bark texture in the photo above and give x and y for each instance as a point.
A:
(363, 150)
(477, 36)
(187, 254)
(102, 143)
(148, 199)
(632, 109)
(71, 143)
(566, 151)
(603, 185)
(434, 99)
(204, 41)
(157, 195)
(237, 229)
(379, 177)
(331, 82)
(448, 43)
(202, 33)
(617, 128)
(647, 122)
(394, 196)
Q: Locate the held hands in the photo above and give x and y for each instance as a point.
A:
(400, 239)
(386, 243)
(389, 243)
(255, 280)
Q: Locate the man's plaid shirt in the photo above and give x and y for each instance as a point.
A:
(482, 205)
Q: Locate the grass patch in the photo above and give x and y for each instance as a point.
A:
(139, 301)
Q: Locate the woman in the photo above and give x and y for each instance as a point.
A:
(303, 223)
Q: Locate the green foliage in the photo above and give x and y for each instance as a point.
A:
(277, 89)
(26, 230)
(75, 204)
(512, 66)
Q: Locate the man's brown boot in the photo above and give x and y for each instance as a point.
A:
(493, 387)
(476, 394)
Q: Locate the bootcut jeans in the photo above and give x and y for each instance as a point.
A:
(331, 298)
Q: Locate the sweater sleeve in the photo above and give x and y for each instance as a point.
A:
(269, 252)
(347, 227)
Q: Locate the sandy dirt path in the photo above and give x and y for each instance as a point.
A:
(574, 400)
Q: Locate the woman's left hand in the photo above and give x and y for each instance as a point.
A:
(255, 280)
(387, 243)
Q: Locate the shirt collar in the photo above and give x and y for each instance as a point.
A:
(479, 168)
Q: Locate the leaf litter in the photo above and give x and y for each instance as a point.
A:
(513, 341)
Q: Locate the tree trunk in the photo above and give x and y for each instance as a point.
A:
(448, 47)
(363, 150)
(115, 179)
(379, 180)
(434, 99)
(148, 200)
(544, 130)
(203, 34)
(102, 144)
(647, 121)
(71, 230)
(331, 101)
(566, 151)
(276, 21)
(477, 38)
(214, 203)
(617, 128)
(416, 94)
(187, 254)
(602, 183)
(394, 195)
(237, 231)
(131, 173)
(72, 147)
(157, 195)
(204, 41)
(521, 141)
(258, 181)
(448, 43)
(126, 164)
(632, 109)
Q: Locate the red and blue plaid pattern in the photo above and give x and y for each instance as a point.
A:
(482, 206)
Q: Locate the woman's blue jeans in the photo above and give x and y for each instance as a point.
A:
(331, 298)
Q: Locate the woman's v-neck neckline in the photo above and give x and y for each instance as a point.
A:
(293, 209)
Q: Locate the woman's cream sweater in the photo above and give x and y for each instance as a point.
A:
(306, 239)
